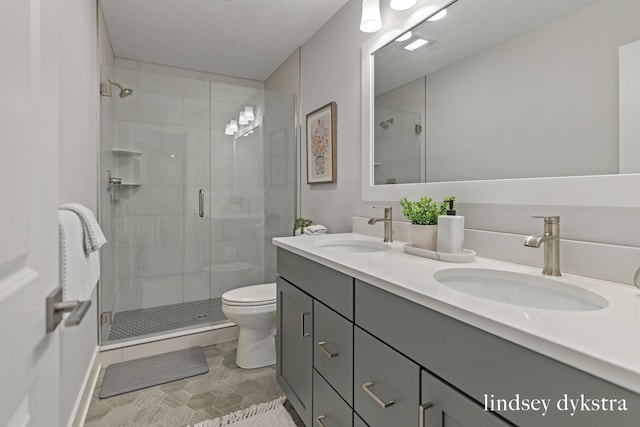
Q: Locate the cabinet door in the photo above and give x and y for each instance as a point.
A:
(386, 384)
(329, 410)
(444, 406)
(333, 349)
(294, 347)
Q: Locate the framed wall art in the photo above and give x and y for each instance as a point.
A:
(321, 145)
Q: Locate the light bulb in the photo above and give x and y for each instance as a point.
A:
(227, 130)
(371, 20)
(242, 120)
(438, 16)
(233, 126)
(405, 36)
(402, 4)
(248, 113)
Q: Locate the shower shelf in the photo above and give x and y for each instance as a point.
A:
(125, 152)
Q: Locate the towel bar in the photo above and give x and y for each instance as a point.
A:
(56, 308)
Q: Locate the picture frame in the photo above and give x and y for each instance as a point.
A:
(321, 145)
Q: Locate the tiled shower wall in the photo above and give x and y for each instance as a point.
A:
(174, 126)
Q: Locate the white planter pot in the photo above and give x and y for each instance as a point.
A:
(424, 236)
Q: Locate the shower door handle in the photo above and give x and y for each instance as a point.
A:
(201, 203)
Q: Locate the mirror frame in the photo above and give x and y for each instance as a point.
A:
(621, 190)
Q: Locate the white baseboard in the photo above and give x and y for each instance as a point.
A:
(83, 401)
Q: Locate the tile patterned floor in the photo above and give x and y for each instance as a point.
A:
(226, 388)
(145, 321)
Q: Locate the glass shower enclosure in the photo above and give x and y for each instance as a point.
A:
(188, 206)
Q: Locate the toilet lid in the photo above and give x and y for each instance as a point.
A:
(251, 295)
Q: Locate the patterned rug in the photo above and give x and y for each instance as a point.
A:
(270, 414)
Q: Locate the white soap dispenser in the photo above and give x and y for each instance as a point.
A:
(451, 231)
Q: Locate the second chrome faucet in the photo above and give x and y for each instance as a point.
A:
(551, 240)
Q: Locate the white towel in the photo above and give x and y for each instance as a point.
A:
(315, 229)
(93, 237)
(79, 272)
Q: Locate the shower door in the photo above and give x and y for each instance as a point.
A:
(154, 191)
(188, 206)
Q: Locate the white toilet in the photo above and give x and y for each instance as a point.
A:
(253, 309)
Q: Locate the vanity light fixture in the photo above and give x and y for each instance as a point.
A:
(245, 118)
(405, 36)
(371, 20)
(416, 44)
(402, 4)
(438, 16)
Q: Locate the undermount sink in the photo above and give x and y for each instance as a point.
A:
(520, 289)
(353, 245)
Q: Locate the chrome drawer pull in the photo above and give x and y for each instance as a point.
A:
(302, 332)
(330, 355)
(319, 419)
(423, 409)
(371, 394)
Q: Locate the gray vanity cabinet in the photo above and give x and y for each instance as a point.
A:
(294, 347)
(364, 357)
(444, 406)
(386, 384)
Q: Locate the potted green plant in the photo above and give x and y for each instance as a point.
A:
(299, 224)
(423, 216)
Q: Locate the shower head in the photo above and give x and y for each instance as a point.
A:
(123, 91)
(386, 123)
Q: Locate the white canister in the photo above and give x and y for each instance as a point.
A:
(451, 232)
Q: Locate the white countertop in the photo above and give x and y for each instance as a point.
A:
(604, 343)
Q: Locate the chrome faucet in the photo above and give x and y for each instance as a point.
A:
(388, 224)
(551, 240)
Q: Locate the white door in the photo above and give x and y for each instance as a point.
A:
(29, 357)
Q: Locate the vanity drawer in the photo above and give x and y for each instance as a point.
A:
(333, 349)
(445, 406)
(329, 410)
(329, 286)
(480, 363)
(386, 384)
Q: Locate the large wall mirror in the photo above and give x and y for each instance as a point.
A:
(504, 92)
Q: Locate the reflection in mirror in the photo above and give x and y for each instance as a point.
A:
(511, 89)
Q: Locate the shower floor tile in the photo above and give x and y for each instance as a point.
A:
(164, 318)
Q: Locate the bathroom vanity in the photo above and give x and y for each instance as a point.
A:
(368, 337)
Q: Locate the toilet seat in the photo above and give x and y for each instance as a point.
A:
(251, 296)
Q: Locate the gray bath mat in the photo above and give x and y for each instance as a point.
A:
(137, 374)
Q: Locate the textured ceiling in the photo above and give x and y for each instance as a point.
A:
(240, 38)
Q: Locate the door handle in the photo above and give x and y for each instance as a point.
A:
(366, 387)
(302, 332)
(319, 419)
(56, 308)
(201, 203)
(423, 409)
